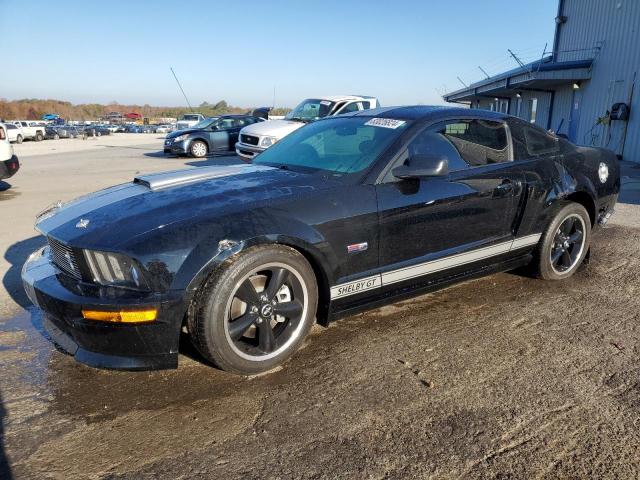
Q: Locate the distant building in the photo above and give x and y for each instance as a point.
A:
(584, 89)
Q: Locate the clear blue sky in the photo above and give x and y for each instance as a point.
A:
(402, 51)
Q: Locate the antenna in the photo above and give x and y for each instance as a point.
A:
(483, 71)
(181, 89)
(460, 80)
(516, 58)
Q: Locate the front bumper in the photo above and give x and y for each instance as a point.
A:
(247, 151)
(8, 168)
(143, 346)
(176, 148)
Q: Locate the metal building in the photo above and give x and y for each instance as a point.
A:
(584, 88)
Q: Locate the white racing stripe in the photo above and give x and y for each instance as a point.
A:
(406, 273)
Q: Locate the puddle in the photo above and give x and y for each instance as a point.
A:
(31, 363)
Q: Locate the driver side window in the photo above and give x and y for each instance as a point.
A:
(431, 141)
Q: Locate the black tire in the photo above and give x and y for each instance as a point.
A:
(211, 327)
(56, 137)
(564, 244)
(198, 149)
(19, 139)
(39, 137)
(98, 134)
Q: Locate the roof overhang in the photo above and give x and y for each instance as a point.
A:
(547, 76)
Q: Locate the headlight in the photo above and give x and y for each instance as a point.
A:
(114, 269)
(268, 141)
(181, 137)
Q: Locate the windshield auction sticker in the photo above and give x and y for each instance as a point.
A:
(385, 123)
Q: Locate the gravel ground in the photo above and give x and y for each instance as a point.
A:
(503, 377)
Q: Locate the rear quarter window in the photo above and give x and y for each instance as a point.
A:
(530, 141)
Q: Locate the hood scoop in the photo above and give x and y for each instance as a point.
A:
(156, 181)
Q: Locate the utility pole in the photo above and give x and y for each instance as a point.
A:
(178, 82)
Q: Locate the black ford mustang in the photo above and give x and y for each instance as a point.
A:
(344, 214)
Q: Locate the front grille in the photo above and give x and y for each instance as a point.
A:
(249, 139)
(64, 258)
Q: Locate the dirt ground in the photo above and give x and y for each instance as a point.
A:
(503, 377)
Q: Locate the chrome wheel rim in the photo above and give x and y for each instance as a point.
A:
(266, 311)
(199, 149)
(568, 244)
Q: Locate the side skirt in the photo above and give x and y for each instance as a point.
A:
(420, 289)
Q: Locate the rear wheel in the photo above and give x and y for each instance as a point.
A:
(39, 137)
(565, 243)
(56, 137)
(198, 149)
(255, 313)
(19, 139)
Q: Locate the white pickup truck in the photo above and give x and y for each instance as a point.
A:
(188, 120)
(256, 138)
(30, 130)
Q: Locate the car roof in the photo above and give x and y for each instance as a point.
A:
(425, 112)
(342, 98)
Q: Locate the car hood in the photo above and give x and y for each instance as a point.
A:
(115, 216)
(272, 128)
(177, 133)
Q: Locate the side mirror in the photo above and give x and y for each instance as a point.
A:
(420, 166)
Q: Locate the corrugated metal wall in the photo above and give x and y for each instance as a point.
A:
(614, 25)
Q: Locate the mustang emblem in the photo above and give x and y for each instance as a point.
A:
(83, 223)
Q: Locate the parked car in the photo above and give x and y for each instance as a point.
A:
(134, 129)
(14, 133)
(9, 164)
(31, 130)
(96, 130)
(189, 120)
(345, 213)
(112, 128)
(255, 139)
(51, 133)
(70, 131)
(217, 134)
(162, 129)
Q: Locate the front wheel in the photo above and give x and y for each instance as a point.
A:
(565, 243)
(56, 137)
(198, 149)
(255, 313)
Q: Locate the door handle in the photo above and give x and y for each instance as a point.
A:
(505, 188)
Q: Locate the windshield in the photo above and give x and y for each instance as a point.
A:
(336, 145)
(207, 122)
(191, 117)
(310, 109)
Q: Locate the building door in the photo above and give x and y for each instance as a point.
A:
(574, 117)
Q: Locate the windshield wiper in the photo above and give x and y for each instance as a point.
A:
(299, 119)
